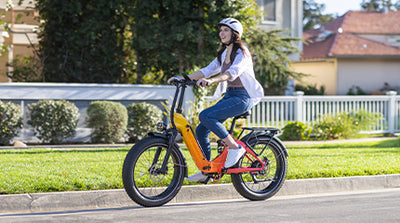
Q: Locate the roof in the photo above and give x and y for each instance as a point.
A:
(346, 36)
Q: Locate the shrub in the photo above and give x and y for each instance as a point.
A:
(343, 125)
(10, 122)
(295, 131)
(355, 90)
(311, 89)
(53, 120)
(334, 127)
(363, 119)
(108, 120)
(142, 118)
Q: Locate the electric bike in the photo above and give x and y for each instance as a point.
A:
(155, 167)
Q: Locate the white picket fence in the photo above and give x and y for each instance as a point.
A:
(277, 111)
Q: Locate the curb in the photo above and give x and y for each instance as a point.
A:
(67, 201)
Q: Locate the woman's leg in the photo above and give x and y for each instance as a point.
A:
(234, 103)
(230, 142)
(202, 134)
(211, 119)
(231, 105)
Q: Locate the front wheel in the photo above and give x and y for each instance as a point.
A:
(266, 183)
(143, 179)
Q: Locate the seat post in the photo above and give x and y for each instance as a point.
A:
(233, 123)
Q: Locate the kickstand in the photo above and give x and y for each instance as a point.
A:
(215, 181)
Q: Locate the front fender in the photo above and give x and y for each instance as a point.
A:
(158, 135)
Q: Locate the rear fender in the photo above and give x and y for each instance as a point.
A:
(264, 134)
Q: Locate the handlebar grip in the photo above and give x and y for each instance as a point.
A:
(204, 86)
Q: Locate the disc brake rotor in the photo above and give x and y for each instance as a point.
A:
(259, 176)
(155, 174)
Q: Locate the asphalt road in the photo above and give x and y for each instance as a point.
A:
(361, 206)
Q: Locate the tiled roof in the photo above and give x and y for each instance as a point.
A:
(352, 45)
(364, 22)
(341, 37)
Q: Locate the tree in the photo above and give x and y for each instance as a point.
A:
(131, 41)
(379, 5)
(169, 37)
(271, 61)
(108, 41)
(82, 41)
(313, 16)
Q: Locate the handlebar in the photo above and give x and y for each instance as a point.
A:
(181, 85)
(186, 81)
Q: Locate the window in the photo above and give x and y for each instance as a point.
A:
(269, 9)
(394, 40)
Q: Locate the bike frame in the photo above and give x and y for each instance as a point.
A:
(180, 123)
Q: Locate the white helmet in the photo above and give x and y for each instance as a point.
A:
(234, 24)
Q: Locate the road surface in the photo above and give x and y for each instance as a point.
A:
(361, 206)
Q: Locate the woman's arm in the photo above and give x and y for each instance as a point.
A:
(193, 76)
(219, 78)
(196, 75)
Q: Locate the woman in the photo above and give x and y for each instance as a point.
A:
(236, 79)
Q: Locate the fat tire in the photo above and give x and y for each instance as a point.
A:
(144, 150)
(278, 177)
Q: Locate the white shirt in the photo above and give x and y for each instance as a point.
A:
(242, 67)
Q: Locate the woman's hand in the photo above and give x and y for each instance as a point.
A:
(174, 78)
(203, 82)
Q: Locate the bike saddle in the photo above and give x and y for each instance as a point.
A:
(244, 115)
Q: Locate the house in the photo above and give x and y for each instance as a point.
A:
(359, 51)
(283, 14)
(22, 21)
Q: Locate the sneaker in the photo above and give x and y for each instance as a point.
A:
(198, 177)
(234, 156)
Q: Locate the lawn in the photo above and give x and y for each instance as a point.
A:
(44, 170)
(344, 159)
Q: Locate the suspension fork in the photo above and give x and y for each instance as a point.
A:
(171, 137)
(155, 159)
(173, 131)
(171, 140)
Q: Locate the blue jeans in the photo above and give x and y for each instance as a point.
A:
(235, 102)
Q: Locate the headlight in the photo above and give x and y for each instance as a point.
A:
(161, 126)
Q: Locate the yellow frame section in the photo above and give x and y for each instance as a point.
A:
(193, 146)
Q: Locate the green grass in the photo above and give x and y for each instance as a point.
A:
(344, 159)
(44, 170)
(41, 170)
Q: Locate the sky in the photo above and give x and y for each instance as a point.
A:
(339, 6)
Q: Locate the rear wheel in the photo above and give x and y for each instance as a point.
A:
(266, 183)
(142, 177)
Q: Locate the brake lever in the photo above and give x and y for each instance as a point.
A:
(185, 75)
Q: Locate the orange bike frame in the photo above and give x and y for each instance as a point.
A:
(217, 164)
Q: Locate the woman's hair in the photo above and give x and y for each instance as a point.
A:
(237, 44)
